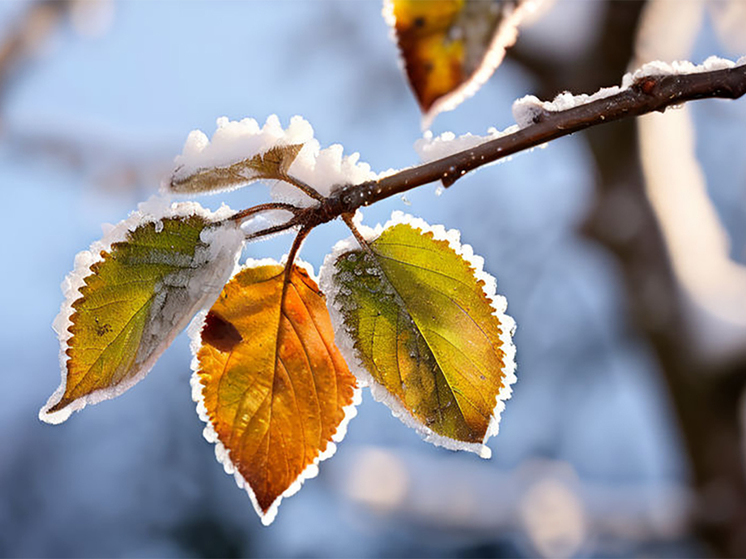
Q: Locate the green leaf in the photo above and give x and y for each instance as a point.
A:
(418, 316)
(272, 164)
(131, 294)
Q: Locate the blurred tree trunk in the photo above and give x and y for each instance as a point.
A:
(706, 401)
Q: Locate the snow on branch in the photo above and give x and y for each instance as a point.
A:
(529, 110)
(348, 184)
(526, 109)
(654, 87)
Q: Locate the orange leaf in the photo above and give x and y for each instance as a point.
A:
(270, 382)
(451, 47)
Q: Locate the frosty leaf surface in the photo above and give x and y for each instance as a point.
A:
(451, 47)
(272, 164)
(427, 330)
(241, 151)
(270, 382)
(133, 296)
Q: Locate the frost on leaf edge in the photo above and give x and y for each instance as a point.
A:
(325, 169)
(151, 211)
(346, 343)
(222, 454)
(504, 38)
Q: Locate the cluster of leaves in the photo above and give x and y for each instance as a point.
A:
(278, 360)
(406, 307)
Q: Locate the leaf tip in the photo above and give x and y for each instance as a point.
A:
(55, 414)
(60, 406)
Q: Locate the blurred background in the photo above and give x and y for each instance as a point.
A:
(623, 269)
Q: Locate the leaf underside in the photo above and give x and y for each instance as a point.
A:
(424, 330)
(444, 43)
(272, 164)
(273, 383)
(133, 303)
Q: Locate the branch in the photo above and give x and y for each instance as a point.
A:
(647, 95)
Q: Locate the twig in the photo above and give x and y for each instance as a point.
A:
(347, 218)
(303, 187)
(251, 212)
(650, 94)
(297, 242)
(281, 228)
(653, 93)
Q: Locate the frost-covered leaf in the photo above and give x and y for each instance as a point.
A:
(242, 151)
(451, 47)
(131, 294)
(272, 164)
(270, 383)
(421, 321)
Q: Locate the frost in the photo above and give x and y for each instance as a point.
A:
(222, 454)
(346, 343)
(526, 109)
(679, 67)
(430, 148)
(234, 141)
(211, 267)
(504, 37)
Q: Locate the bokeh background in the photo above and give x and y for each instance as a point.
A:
(593, 456)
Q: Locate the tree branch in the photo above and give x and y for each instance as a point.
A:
(647, 95)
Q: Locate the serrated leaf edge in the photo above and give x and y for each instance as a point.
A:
(346, 343)
(151, 211)
(222, 454)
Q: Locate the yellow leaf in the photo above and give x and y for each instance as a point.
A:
(270, 381)
(136, 290)
(426, 330)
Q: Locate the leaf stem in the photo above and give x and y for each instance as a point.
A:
(302, 186)
(295, 247)
(347, 218)
(244, 215)
(283, 227)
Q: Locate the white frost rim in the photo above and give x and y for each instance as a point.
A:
(505, 36)
(222, 454)
(234, 141)
(151, 211)
(347, 345)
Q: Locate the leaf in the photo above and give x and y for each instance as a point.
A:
(272, 164)
(451, 47)
(426, 330)
(270, 382)
(131, 294)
